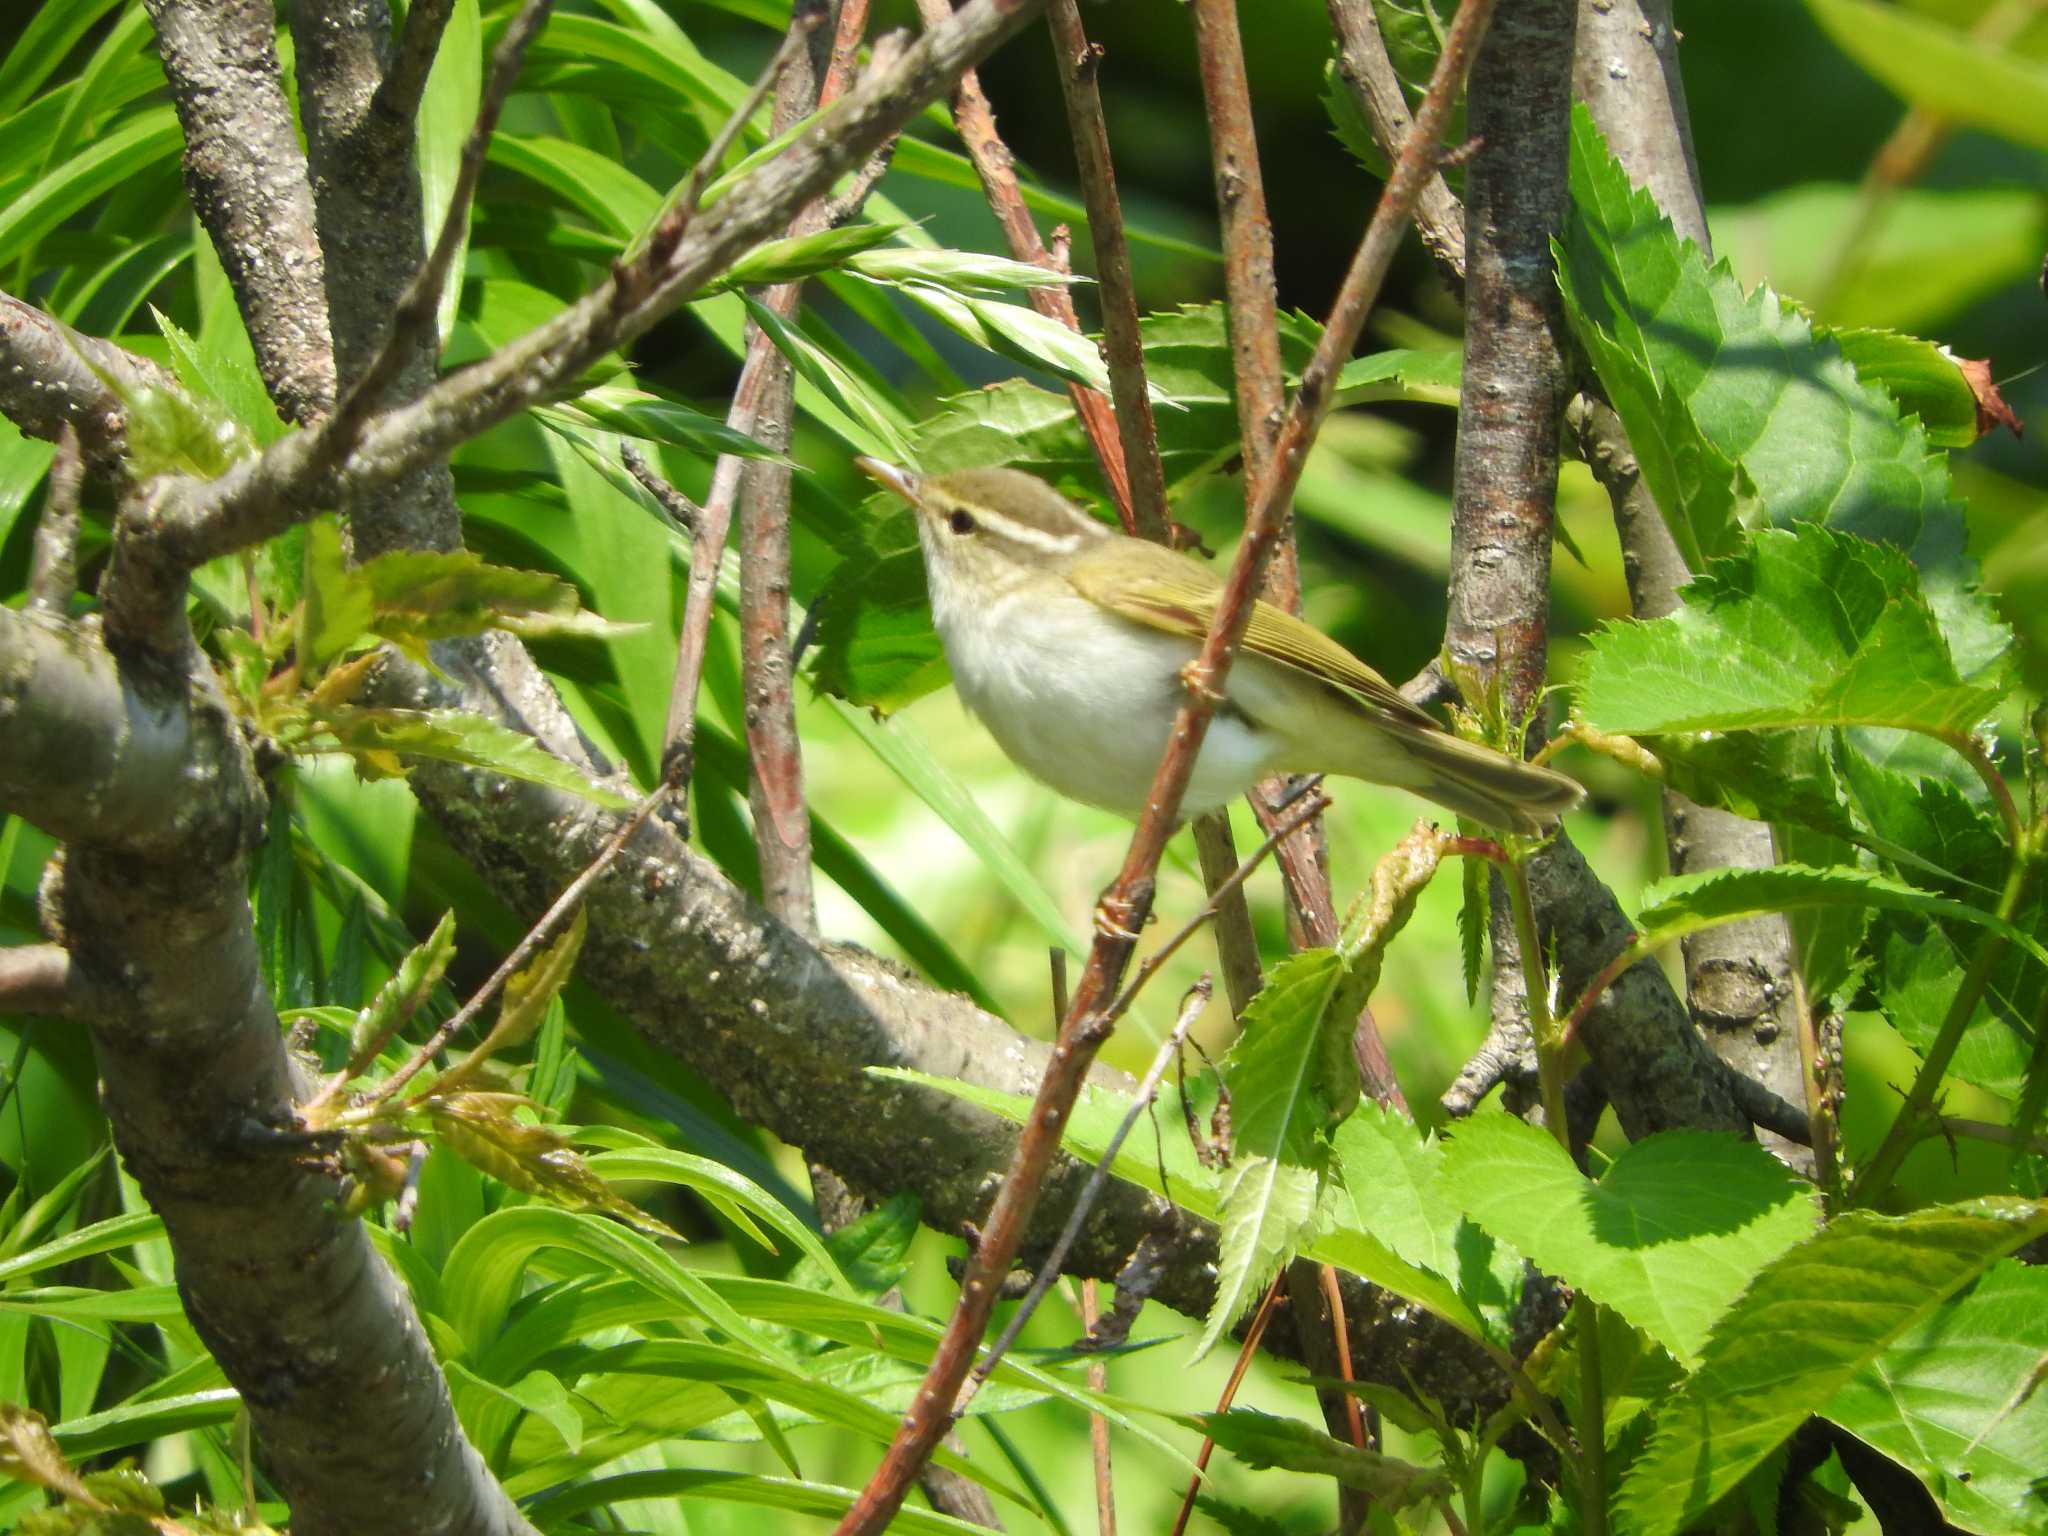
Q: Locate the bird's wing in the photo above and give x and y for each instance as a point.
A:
(1151, 585)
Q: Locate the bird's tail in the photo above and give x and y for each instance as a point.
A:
(1488, 786)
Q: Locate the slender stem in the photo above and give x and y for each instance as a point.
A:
(1125, 905)
(1252, 1335)
(1592, 1420)
(2001, 793)
(1169, 1051)
(1898, 1141)
(1098, 1426)
(1333, 1297)
(1550, 1041)
(543, 930)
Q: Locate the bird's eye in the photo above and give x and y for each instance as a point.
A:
(961, 522)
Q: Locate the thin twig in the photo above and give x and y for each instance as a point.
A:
(1098, 1425)
(1191, 1008)
(675, 219)
(1333, 1297)
(1124, 906)
(1140, 472)
(540, 933)
(1252, 1335)
(1368, 73)
(714, 518)
(54, 575)
(1307, 806)
(405, 83)
(419, 307)
(683, 514)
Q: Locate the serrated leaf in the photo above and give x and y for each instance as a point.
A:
(1808, 1325)
(1349, 124)
(1924, 377)
(452, 736)
(1739, 412)
(1291, 1078)
(1949, 1400)
(1668, 1237)
(1391, 1169)
(1804, 627)
(1194, 1188)
(1264, 1440)
(1475, 915)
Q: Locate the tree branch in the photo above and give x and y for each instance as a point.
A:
(147, 776)
(1367, 72)
(53, 576)
(248, 183)
(1741, 978)
(38, 978)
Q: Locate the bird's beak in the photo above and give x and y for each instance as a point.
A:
(893, 476)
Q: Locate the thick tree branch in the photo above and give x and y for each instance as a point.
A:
(360, 142)
(53, 575)
(1650, 1060)
(248, 182)
(1741, 978)
(48, 382)
(147, 776)
(38, 978)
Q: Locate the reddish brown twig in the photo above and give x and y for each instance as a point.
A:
(1252, 1335)
(714, 519)
(1124, 907)
(975, 121)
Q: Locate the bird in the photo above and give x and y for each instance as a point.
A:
(1067, 639)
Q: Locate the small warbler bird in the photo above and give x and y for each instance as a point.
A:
(1067, 639)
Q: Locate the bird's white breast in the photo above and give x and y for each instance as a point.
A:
(1084, 700)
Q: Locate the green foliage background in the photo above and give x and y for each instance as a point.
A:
(929, 844)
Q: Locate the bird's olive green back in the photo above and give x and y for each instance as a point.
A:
(1154, 586)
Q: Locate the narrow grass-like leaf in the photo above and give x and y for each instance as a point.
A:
(1265, 1440)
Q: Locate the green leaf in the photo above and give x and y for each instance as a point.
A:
(413, 597)
(480, 1129)
(1810, 1323)
(51, 33)
(793, 257)
(1804, 627)
(875, 644)
(1939, 250)
(911, 760)
(142, 142)
(959, 271)
(1739, 412)
(531, 989)
(635, 413)
(1291, 1078)
(1950, 1399)
(1922, 376)
(411, 984)
(1349, 124)
(447, 113)
(1014, 331)
(1685, 904)
(1264, 1440)
(1941, 68)
(787, 1495)
(1392, 1170)
(452, 736)
(1668, 1237)
(1194, 1188)
(876, 429)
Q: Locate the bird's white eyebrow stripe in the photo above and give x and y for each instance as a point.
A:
(1023, 533)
